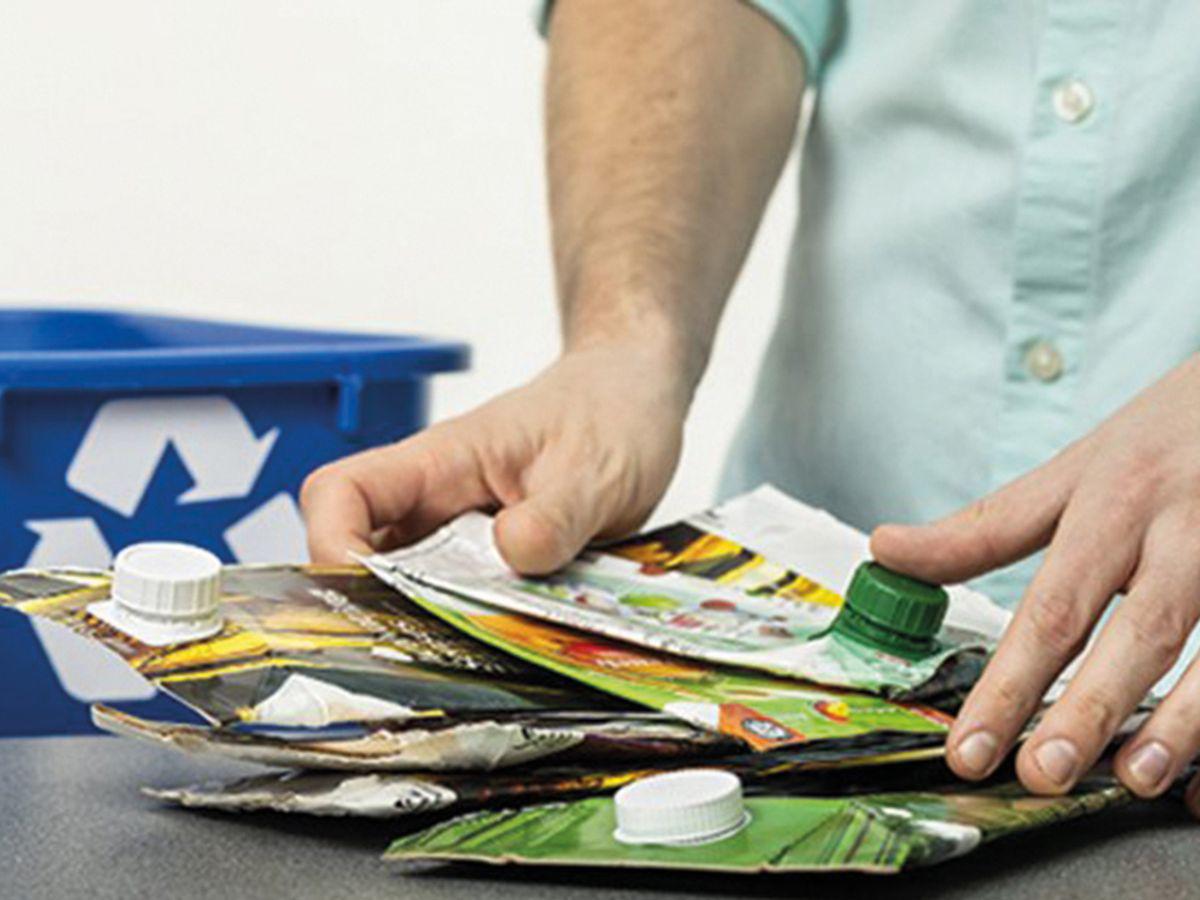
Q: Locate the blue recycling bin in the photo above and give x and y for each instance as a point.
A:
(118, 428)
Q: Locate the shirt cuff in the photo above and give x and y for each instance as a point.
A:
(541, 15)
(809, 23)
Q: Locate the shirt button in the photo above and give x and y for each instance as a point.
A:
(1043, 361)
(1073, 100)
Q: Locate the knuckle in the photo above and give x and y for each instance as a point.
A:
(432, 463)
(1096, 710)
(1138, 477)
(1139, 458)
(1176, 726)
(1187, 515)
(979, 519)
(316, 483)
(1057, 623)
(602, 473)
(1124, 500)
(1160, 637)
(1012, 695)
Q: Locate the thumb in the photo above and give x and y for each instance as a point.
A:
(547, 529)
(994, 531)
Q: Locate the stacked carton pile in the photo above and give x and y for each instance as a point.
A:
(432, 680)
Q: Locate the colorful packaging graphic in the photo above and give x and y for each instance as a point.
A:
(436, 681)
(763, 711)
(308, 647)
(879, 832)
(689, 592)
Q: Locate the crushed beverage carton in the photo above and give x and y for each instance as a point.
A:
(693, 590)
(397, 794)
(875, 833)
(438, 682)
(766, 712)
(435, 744)
(308, 647)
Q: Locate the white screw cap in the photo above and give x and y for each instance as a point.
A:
(164, 593)
(691, 806)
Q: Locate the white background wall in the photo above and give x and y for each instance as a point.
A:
(364, 164)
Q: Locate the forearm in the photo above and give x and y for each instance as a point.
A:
(668, 122)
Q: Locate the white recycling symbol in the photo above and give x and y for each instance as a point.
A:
(114, 466)
(125, 443)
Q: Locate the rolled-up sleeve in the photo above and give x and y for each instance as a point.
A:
(809, 23)
(541, 15)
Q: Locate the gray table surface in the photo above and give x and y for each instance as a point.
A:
(73, 824)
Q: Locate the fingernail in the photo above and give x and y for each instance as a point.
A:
(1149, 764)
(1058, 759)
(976, 751)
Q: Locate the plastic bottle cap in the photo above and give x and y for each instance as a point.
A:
(691, 806)
(164, 593)
(892, 612)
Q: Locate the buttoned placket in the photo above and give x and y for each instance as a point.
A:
(1059, 205)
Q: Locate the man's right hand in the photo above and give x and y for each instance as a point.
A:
(667, 126)
(584, 450)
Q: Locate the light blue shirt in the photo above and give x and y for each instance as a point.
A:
(999, 244)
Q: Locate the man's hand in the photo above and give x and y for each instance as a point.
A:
(586, 449)
(667, 126)
(1120, 511)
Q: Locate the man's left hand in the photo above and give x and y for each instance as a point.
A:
(1119, 512)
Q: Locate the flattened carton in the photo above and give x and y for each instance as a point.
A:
(876, 833)
(694, 591)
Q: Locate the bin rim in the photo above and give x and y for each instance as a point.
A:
(287, 356)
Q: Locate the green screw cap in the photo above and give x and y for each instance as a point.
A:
(892, 612)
